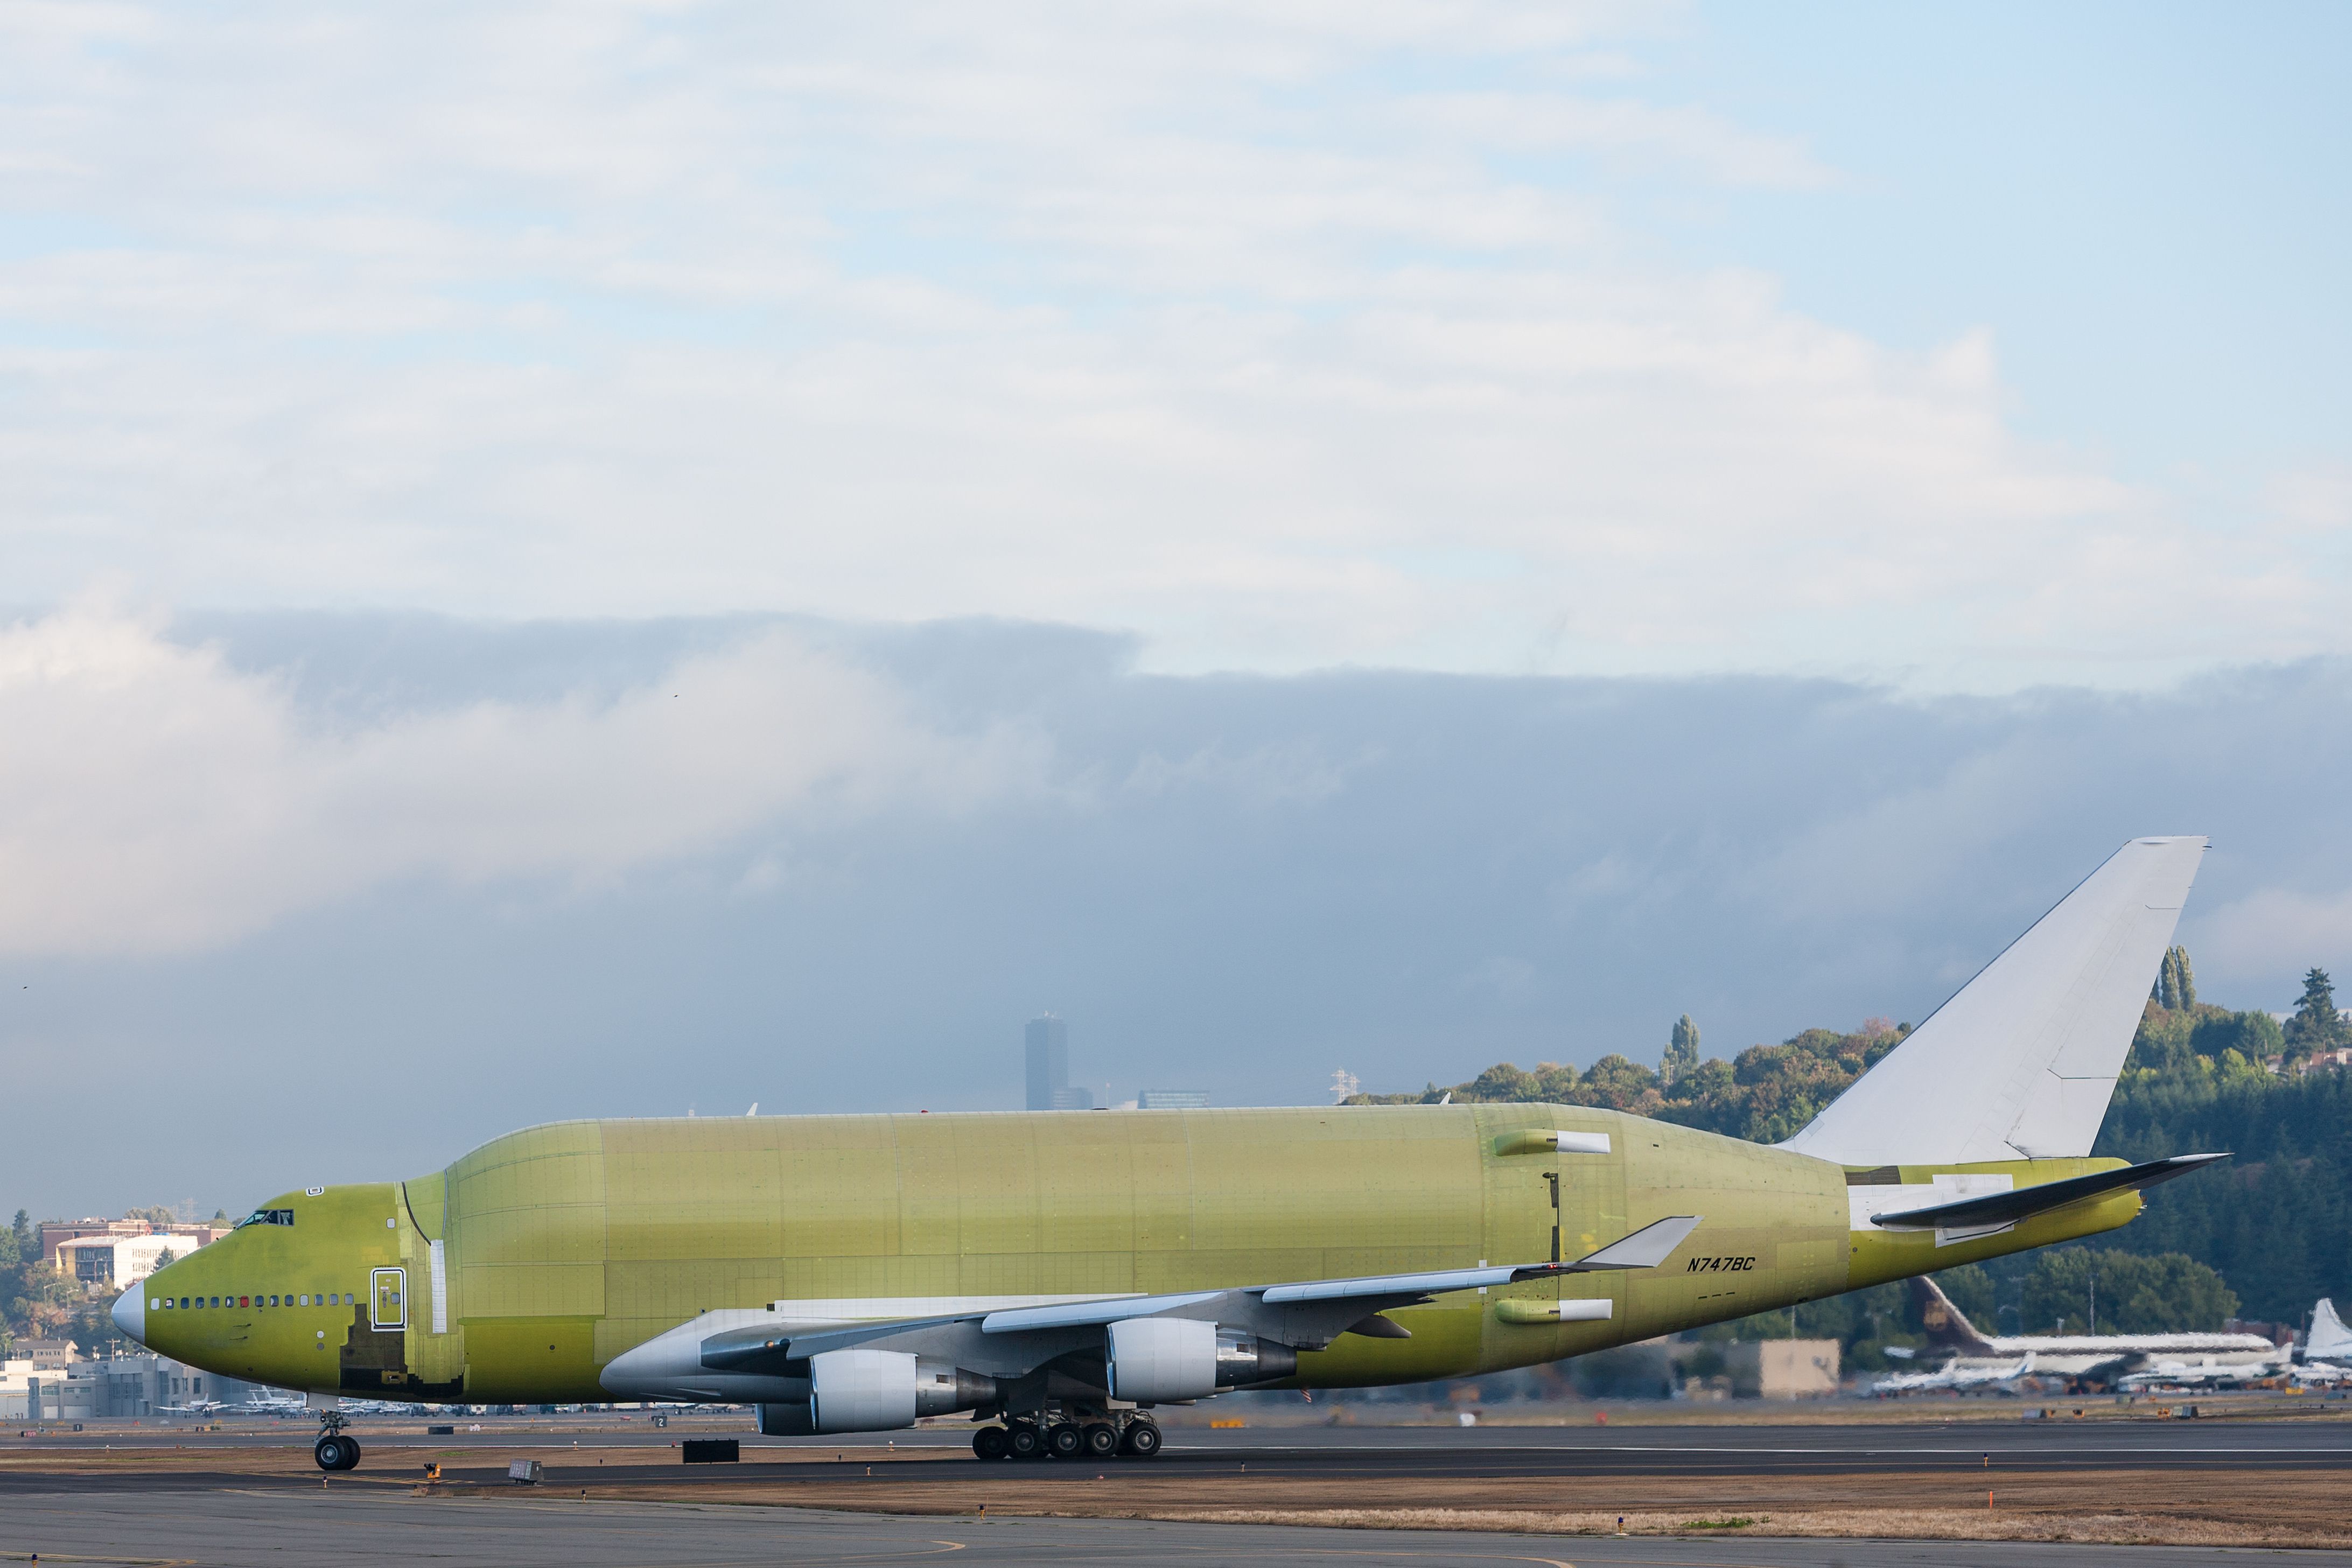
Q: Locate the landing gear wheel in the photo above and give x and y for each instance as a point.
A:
(1100, 1441)
(1066, 1440)
(336, 1453)
(1142, 1440)
(991, 1443)
(1022, 1442)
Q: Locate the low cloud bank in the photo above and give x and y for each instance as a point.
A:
(587, 869)
(155, 799)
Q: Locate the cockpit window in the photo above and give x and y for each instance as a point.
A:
(267, 1216)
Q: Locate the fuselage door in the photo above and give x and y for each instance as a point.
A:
(388, 1301)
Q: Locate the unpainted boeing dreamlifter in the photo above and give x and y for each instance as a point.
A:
(1060, 1274)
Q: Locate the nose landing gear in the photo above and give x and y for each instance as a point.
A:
(333, 1451)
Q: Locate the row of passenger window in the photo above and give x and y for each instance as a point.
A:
(325, 1299)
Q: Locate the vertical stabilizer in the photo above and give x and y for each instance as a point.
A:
(2328, 1338)
(1947, 1325)
(2019, 1064)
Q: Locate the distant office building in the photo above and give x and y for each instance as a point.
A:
(1068, 1098)
(1049, 1064)
(123, 1386)
(46, 1355)
(56, 1233)
(105, 1263)
(1172, 1099)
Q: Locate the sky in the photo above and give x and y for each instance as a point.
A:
(601, 559)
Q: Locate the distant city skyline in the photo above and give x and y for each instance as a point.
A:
(1045, 1042)
(1045, 1062)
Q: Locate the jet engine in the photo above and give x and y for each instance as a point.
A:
(1154, 1359)
(876, 1390)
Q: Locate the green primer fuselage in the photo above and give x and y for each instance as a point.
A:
(561, 1246)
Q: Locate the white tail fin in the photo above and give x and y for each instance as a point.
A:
(2328, 1336)
(2020, 1063)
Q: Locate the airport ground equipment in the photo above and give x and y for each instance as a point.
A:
(1059, 1275)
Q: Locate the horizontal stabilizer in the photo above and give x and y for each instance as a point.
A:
(2008, 1208)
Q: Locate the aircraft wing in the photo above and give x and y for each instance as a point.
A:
(2008, 1208)
(1646, 1248)
(1304, 1314)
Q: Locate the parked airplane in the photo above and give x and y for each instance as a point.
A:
(2308, 1363)
(1975, 1359)
(1059, 1275)
(1957, 1376)
(265, 1402)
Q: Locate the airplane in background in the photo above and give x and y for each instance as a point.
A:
(268, 1402)
(1957, 1377)
(2323, 1360)
(1058, 1275)
(2126, 1361)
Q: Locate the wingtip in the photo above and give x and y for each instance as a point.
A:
(1645, 1249)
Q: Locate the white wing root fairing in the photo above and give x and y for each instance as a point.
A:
(2020, 1063)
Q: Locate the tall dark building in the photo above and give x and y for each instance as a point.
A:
(1049, 1061)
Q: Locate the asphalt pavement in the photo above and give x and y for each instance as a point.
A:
(235, 1529)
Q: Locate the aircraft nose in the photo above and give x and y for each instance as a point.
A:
(131, 1313)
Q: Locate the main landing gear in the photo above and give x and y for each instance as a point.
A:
(1070, 1434)
(333, 1451)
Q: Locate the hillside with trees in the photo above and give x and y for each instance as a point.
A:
(2263, 1237)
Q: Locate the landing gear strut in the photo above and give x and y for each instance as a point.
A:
(1067, 1434)
(333, 1451)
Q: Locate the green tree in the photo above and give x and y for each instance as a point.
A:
(2316, 1025)
(1682, 1052)
(2176, 988)
(44, 1302)
(13, 1243)
(2135, 1293)
(1621, 1084)
(1971, 1288)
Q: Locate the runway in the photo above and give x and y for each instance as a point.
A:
(235, 1529)
(1338, 1455)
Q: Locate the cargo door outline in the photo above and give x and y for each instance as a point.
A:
(388, 1299)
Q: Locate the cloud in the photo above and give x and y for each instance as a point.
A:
(2253, 932)
(1284, 337)
(842, 865)
(155, 799)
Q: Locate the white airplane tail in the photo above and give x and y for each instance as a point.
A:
(2020, 1062)
(2328, 1337)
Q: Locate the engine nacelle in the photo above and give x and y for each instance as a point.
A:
(861, 1390)
(1153, 1359)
